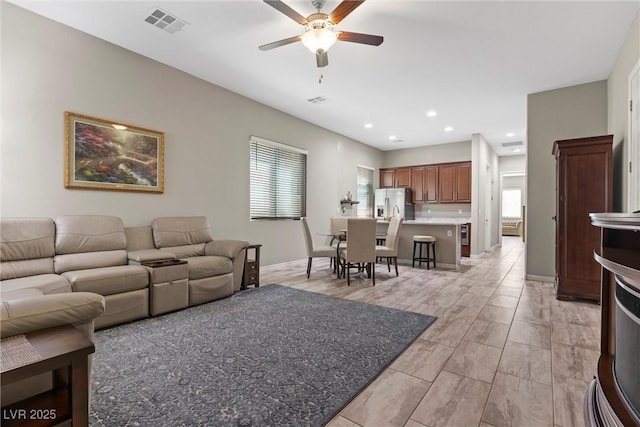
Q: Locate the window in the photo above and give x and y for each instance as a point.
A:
(364, 191)
(278, 180)
(511, 203)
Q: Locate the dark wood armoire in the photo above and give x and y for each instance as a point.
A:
(583, 186)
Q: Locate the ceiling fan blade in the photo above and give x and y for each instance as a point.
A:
(348, 36)
(322, 59)
(279, 43)
(343, 10)
(281, 7)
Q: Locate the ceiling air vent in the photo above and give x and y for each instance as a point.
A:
(164, 20)
(512, 144)
(318, 100)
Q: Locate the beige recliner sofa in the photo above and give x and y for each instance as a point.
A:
(215, 267)
(511, 226)
(33, 297)
(91, 253)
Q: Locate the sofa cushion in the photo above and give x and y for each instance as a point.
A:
(139, 238)
(26, 246)
(88, 260)
(186, 251)
(181, 231)
(208, 266)
(47, 283)
(108, 280)
(89, 233)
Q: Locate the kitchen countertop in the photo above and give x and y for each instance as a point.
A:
(436, 221)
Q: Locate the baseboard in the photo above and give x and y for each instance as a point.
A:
(540, 278)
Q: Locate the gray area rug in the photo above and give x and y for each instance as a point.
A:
(263, 357)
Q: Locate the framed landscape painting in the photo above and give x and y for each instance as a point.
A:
(105, 155)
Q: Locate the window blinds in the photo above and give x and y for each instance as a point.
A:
(278, 180)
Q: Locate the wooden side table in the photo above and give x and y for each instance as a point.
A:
(251, 275)
(64, 350)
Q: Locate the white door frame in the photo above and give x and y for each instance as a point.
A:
(633, 140)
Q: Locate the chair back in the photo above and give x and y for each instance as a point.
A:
(307, 235)
(361, 239)
(393, 233)
(338, 223)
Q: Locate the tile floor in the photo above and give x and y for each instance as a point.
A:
(503, 351)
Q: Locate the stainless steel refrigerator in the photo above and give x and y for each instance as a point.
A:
(394, 202)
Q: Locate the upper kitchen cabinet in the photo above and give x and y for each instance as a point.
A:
(395, 178)
(455, 182)
(424, 183)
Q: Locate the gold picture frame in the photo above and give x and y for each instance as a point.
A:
(106, 155)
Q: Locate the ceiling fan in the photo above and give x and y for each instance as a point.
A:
(319, 34)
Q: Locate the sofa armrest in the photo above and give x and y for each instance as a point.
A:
(226, 248)
(146, 255)
(234, 249)
(19, 316)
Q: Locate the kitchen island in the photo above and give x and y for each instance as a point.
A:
(445, 229)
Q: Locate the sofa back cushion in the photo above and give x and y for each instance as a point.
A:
(26, 247)
(89, 241)
(191, 231)
(139, 238)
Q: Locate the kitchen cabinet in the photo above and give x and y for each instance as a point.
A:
(424, 183)
(387, 177)
(463, 182)
(583, 185)
(454, 182)
(395, 178)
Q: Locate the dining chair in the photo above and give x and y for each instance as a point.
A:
(314, 251)
(390, 249)
(361, 238)
(338, 224)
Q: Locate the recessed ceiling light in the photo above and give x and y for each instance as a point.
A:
(432, 113)
(368, 125)
(392, 137)
(448, 129)
(516, 150)
(510, 134)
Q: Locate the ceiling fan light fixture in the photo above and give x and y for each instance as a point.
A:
(319, 40)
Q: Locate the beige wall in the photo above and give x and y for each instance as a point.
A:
(586, 110)
(572, 112)
(441, 153)
(49, 68)
(618, 117)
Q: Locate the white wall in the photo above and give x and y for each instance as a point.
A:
(618, 117)
(484, 219)
(49, 68)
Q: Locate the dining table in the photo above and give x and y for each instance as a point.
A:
(341, 236)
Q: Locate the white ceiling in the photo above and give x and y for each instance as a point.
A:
(473, 62)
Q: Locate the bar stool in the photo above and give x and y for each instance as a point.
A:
(418, 241)
(380, 241)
